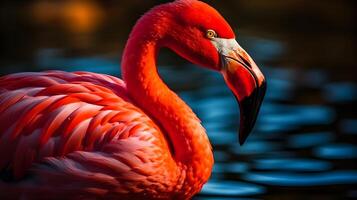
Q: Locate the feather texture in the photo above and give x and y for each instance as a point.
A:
(79, 128)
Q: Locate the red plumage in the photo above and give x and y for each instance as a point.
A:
(77, 127)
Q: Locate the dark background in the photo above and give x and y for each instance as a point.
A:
(319, 33)
(304, 143)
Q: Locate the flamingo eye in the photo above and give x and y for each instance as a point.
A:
(211, 34)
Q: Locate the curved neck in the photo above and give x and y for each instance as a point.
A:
(190, 142)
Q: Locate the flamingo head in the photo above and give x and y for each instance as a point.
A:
(201, 35)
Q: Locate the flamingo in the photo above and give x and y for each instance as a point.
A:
(84, 135)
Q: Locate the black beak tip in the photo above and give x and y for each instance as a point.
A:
(242, 141)
(243, 134)
(249, 109)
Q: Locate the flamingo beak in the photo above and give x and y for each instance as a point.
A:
(246, 82)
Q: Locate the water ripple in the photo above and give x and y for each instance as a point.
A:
(255, 147)
(341, 92)
(302, 179)
(337, 151)
(231, 188)
(297, 164)
(305, 140)
(296, 116)
(230, 167)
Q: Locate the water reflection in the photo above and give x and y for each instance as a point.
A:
(231, 167)
(310, 139)
(231, 188)
(340, 92)
(255, 147)
(337, 151)
(221, 156)
(299, 115)
(288, 164)
(304, 180)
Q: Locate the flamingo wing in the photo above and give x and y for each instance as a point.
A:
(79, 128)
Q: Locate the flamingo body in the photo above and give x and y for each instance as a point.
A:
(83, 128)
(84, 135)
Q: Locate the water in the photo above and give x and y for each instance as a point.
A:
(304, 144)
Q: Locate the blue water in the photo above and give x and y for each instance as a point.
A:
(337, 151)
(291, 179)
(291, 164)
(230, 188)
